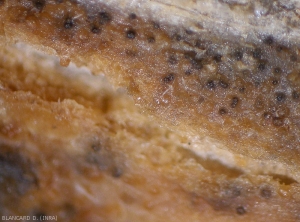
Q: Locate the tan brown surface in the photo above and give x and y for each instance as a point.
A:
(85, 153)
(242, 93)
(89, 155)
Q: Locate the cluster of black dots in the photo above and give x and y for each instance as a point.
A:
(211, 85)
(97, 152)
(257, 53)
(265, 193)
(105, 17)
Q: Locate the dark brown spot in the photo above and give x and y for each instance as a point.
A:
(238, 55)
(233, 192)
(257, 83)
(169, 78)
(269, 40)
(172, 60)
(200, 44)
(222, 111)
(69, 23)
(177, 37)
(210, 84)
(151, 39)
(261, 66)
(38, 4)
(189, 32)
(277, 70)
(196, 64)
(218, 58)
(278, 121)
(188, 72)
(190, 55)
(104, 18)
(130, 34)
(257, 53)
(102, 159)
(117, 172)
(266, 193)
(280, 97)
(223, 84)
(267, 115)
(156, 25)
(280, 48)
(95, 30)
(96, 147)
(295, 95)
(132, 16)
(275, 82)
(240, 210)
(242, 89)
(234, 102)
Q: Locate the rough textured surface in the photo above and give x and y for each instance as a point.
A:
(74, 148)
(217, 72)
(241, 90)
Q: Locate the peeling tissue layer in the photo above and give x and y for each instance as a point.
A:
(219, 72)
